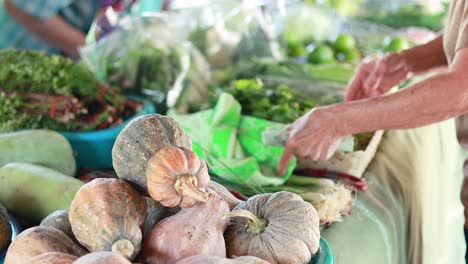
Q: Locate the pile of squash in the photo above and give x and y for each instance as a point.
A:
(163, 208)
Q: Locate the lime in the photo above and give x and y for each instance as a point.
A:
(321, 54)
(397, 44)
(295, 49)
(352, 55)
(344, 43)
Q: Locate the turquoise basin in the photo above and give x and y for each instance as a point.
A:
(94, 149)
(324, 255)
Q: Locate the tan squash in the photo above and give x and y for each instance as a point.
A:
(141, 138)
(207, 259)
(59, 220)
(155, 212)
(177, 177)
(108, 215)
(53, 258)
(102, 257)
(192, 231)
(225, 194)
(39, 240)
(5, 228)
(277, 227)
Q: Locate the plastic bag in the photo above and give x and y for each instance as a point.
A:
(227, 31)
(148, 55)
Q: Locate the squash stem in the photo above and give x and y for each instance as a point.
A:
(186, 185)
(123, 247)
(254, 224)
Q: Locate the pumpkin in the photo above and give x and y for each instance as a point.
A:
(39, 240)
(107, 215)
(225, 194)
(5, 228)
(53, 258)
(102, 257)
(59, 220)
(155, 212)
(177, 177)
(192, 231)
(206, 259)
(140, 139)
(277, 227)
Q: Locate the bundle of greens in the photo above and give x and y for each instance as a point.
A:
(144, 67)
(276, 103)
(53, 92)
(410, 15)
(338, 73)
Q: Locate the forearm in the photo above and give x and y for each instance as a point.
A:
(56, 31)
(438, 98)
(425, 57)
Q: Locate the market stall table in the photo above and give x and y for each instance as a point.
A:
(412, 211)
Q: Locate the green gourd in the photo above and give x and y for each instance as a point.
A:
(32, 192)
(42, 147)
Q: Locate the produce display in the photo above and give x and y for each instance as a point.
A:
(196, 182)
(109, 218)
(52, 92)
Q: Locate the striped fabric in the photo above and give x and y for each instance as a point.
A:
(79, 13)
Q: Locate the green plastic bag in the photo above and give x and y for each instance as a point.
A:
(231, 144)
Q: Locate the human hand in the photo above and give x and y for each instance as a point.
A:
(375, 76)
(315, 135)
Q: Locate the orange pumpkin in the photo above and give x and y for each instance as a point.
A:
(177, 177)
(102, 257)
(53, 258)
(39, 240)
(108, 215)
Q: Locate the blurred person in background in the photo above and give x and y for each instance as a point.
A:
(55, 26)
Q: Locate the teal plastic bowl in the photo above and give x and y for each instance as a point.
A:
(94, 149)
(324, 255)
(15, 230)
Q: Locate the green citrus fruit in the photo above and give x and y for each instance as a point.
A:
(352, 55)
(321, 54)
(344, 43)
(397, 44)
(296, 49)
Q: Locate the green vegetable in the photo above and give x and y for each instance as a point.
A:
(31, 71)
(397, 44)
(279, 104)
(41, 147)
(344, 43)
(51, 92)
(32, 192)
(321, 55)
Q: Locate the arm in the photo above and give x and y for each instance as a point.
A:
(55, 31)
(375, 77)
(438, 98)
(317, 134)
(425, 57)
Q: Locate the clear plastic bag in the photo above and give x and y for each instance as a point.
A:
(147, 55)
(227, 31)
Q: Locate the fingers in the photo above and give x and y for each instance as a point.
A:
(286, 158)
(354, 90)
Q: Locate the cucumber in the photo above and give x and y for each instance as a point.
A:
(42, 147)
(31, 192)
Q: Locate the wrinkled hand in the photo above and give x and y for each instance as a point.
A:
(376, 76)
(315, 136)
